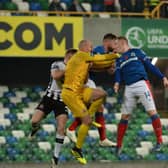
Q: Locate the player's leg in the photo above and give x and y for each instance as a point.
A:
(79, 109)
(61, 115)
(41, 111)
(99, 118)
(94, 97)
(71, 130)
(157, 126)
(35, 122)
(127, 107)
(121, 130)
(148, 102)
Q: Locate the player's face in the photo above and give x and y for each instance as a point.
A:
(89, 47)
(113, 44)
(109, 45)
(119, 48)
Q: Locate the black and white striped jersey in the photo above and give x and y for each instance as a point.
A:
(55, 86)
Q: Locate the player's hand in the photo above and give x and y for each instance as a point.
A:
(116, 87)
(165, 82)
(111, 69)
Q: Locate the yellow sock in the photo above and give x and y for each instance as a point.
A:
(82, 133)
(95, 105)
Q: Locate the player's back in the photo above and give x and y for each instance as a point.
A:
(76, 71)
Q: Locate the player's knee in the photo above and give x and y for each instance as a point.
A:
(87, 120)
(125, 116)
(61, 130)
(34, 121)
(152, 112)
(104, 93)
(101, 94)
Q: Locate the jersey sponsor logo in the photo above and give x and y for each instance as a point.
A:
(39, 36)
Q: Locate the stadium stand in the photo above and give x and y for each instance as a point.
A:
(15, 125)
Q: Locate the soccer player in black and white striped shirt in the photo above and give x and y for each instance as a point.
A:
(52, 101)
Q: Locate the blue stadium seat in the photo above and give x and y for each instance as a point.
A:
(68, 2)
(143, 134)
(26, 100)
(1, 128)
(97, 8)
(9, 94)
(35, 6)
(12, 153)
(11, 116)
(124, 157)
(11, 140)
(161, 156)
(5, 1)
(42, 135)
(38, 89)
(9, 105)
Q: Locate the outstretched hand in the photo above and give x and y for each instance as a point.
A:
(116, 87)
(165, 82)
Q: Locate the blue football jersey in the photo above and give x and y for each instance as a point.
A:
(99, 50)
(130, 67)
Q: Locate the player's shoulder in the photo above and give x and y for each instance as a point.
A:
(58, 65)
(138, 50)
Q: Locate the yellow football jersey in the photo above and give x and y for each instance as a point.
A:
(77, 69)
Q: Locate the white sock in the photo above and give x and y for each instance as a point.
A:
(58, 144)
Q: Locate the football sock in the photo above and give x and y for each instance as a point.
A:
(82, 133)
(157, 127)
(102, 130)
(75, 124)
(59, 140)
(122, 127)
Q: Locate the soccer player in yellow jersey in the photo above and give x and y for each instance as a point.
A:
(77, 97)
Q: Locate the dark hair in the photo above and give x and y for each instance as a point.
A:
(71, 51)
(109, 36)
(123, 38)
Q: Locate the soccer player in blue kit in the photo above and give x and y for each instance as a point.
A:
(130, 69)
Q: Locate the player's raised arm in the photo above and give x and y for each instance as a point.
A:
(102, 57)
(146, 61)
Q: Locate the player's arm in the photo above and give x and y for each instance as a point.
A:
(57, 74)
(152, 68)
(104, 65)
(117, 77)
(102, 57)
(146, 61)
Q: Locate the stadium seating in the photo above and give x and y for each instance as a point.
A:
(10, 6)
(23, 6)
(17, 106)
(87, 6)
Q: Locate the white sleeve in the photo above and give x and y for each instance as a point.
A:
(58, 65)
(91, 84)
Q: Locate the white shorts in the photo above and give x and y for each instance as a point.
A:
(91, 84)
(141, 91)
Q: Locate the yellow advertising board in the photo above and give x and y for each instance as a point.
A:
(39, 36)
